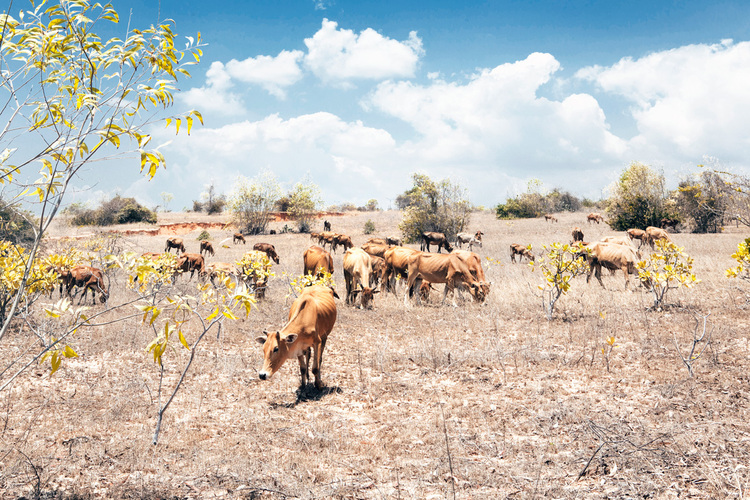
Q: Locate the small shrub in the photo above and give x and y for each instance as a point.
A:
(559, 264)
(118, 210)
(742, 256)
(369, 227)
(204, 236)
(666, 269)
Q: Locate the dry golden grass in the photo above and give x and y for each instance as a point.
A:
(486, 401)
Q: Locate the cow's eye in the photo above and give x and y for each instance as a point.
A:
(276, 349)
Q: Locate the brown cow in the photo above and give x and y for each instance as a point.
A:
(268, 249)
(378, 241)
(577, 234)
(343, 240)
(175, 243)
(315, 236)
(192, 262)
(467, 238)
(317, 261)
(424, 290)
(237, 237)
(207, 247)
(433, 238)
(655, 233)
(520, 250)
(375, 249)
(88, 278)
(594, 217)
(448, 269)
(474, 263)
(638, 234)
(216, 269)
(378, 267)
(357, 269)
(613, 257)
(311, 319)
(396, 264)
(255, 272)
(550, 217)
(326, 237)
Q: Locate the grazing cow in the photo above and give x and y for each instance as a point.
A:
(378, 241)
(550, 217)
(655, 233)
(375, 249)
(594, 217)
(317, 261)
(577, 234)
(315, 236)
(191, 262)
(610, 256)
(207, 247)
(396, 264)
(377, 267)
(424, 291)
(267, 249)
(357, 268)
(311, 319)
(433, 238)
(326, 237)
(343, 240)
(254, 270)
(471, 240)
(521, 251)
(88, 278)
(175, 243)
(474, 263)
(448, 269)
(669, 222)
(638, 234)
(237, 237)
(326, 225)
(216, 269)
(393, 240)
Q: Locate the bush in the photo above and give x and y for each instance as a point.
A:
(118, 210)
(638, 199)
(702, 202)
(440, 207)
(16, 225)
(251, 202)
(534, 204)
(204, 236)
(304, 202)
(369, 227)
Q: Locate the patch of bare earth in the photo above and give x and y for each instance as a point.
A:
(486, 401)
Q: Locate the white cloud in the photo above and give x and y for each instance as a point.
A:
(686, 102)
(216, 95)
(339, 56)
(274, 74)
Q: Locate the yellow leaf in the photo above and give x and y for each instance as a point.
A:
(182, 340)
(69, 352)
(189, 120)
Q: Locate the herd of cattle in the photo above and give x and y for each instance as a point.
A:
(377, 266)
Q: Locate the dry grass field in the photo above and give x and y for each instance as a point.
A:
(474, 402)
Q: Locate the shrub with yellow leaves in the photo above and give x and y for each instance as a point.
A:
(742, 256)
(559, 264)
(667, 268)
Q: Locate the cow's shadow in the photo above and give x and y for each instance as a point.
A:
(306, 394)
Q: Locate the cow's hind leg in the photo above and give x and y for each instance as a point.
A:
(317, 362)
(304, 360)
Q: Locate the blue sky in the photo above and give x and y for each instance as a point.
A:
(360, 94)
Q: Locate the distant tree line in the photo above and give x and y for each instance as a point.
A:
(118, 210)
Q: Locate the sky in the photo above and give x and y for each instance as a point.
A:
(359, 95)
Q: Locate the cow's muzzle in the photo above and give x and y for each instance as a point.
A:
(262, 375)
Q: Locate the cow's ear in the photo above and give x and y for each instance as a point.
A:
(376, 291)
(261, 340)
(289, 339)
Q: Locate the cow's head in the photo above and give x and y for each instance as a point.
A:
(366, 296)
(479, 290)
(276, 350)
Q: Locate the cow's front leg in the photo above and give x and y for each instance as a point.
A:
(304, 360)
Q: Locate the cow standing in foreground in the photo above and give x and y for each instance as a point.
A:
(191, 262)
(175, 243)
(357, 268)
(396, 264)
(433, 238)
(267, 249)
(311, 319)
(317, 261)
(613, 257)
